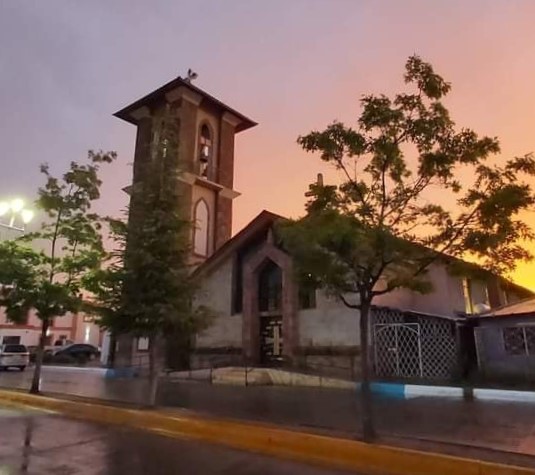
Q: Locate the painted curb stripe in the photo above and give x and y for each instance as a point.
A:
(75, 369)
(407, 391)
(389, 389)
(300, 446)
(412, 390)
(500, 395)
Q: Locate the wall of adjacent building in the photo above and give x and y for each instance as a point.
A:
(72, 327)
(495, 360)
(446, 298)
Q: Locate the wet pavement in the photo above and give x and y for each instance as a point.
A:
(38, 443)
(503, 426)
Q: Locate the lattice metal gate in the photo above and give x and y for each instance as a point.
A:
(398, 350)
(413, 345)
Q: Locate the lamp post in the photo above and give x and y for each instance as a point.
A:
(14, 215)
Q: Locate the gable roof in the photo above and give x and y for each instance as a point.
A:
(125, 112)
(266, 219)
(263, 221)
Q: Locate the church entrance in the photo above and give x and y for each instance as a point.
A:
(270, 314)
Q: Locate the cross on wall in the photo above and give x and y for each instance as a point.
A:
(276, 340)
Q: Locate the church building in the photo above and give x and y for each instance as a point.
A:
(261, 314)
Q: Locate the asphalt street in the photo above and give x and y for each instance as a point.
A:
(501, 426)
(38, 443)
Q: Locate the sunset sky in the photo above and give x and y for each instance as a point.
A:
(291, 65)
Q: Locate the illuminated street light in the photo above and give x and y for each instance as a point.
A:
(26, 215)
(17, 205)
(14, 216)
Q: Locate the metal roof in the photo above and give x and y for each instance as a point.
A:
(521, 307)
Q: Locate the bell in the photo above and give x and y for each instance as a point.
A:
(205, 153)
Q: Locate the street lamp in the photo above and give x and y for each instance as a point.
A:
(14, 215)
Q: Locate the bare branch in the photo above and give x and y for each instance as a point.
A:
(347, 303)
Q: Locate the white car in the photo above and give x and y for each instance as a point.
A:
(14, 356)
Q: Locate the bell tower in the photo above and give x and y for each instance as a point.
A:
(206, 129)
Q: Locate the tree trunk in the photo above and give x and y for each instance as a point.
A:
(112, 349)
(36, 380)
(368, 431)
(154, 371)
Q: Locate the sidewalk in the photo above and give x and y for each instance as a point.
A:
(502, 426)
(496, 426)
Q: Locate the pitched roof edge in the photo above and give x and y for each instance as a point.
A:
(125, 111)
(264, 218)
(267, 217)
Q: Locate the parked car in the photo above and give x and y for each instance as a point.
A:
(81, 352)
(14, 356)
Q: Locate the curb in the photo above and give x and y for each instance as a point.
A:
(407, 391)
(298, 446)
(80, 369)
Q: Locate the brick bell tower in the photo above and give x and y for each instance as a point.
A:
(205, 130)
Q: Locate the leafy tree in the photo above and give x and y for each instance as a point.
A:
(46, 277)
(413, 189)
(105, 284)
(158, 288)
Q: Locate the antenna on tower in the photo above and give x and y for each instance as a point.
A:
(192, 75)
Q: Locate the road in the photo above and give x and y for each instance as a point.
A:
(33, 442)
(502, 426)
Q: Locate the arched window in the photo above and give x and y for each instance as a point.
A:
(200, 234)
(270, 288)
(205, 150)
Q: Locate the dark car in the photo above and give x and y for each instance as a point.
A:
(81, 352)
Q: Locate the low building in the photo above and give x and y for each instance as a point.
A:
(505, 342)
(78, 328)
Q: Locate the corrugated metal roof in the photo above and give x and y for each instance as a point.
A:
(516, 308)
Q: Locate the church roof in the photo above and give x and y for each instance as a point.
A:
(125, 112)
(266, 219)
(260, 223)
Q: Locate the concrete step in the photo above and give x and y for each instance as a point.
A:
(238, 376)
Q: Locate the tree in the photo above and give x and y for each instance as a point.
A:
(46, 276)
(158, 288)
(413, 189)
(105, 284)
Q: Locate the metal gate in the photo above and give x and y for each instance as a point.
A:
(398, 350)
(271, 340)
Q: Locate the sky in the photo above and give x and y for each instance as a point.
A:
(291, 65)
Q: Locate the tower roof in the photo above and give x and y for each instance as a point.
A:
(126, 112)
